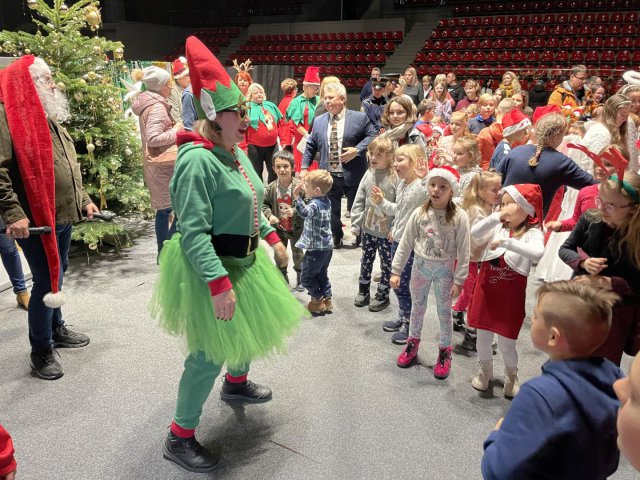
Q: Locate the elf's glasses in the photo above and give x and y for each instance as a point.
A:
(241, 111)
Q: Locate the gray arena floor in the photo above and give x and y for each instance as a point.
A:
(341, 408)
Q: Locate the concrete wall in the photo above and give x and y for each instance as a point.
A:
(389, 24)
(145, 41)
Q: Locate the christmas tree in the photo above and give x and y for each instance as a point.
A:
(89, 69)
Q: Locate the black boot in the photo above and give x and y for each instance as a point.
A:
(458, 321)
(189, 454)
(363, 297)
(468, 345)
(285, 274)
(246, 391)
(299, 286)
(380, 301)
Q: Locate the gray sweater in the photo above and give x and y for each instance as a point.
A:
(364, 214)
(408, 198)
(432, 238)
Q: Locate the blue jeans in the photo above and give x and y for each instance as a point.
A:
(314, 273)
(403, 293)
(42, 319)
(163, 230)
(11, 262)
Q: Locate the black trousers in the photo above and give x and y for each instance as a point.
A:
(338, 190)
(260, 156)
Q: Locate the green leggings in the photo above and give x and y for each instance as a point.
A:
(195, 386)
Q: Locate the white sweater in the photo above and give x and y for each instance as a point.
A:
(431, 237)
(519, 253)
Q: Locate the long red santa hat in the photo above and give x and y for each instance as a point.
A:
(33, 150)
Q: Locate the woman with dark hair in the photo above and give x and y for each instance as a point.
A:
(398, 120)
(216, 287)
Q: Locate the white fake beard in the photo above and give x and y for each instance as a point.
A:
(54, 102)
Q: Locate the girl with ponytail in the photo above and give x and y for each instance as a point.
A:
(543, 164)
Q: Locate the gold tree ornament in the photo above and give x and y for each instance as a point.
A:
(32, 4)
(97, 50)
(91, 76)
(92, 17)
(27, 51)
(118, 53)
(61, 86)
(64, 8)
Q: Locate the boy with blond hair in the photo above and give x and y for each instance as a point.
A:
(486, 110)
(316, 239)
(562, 424)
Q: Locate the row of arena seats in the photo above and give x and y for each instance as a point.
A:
(476, 70)
(483, 6)
(394, 36)
(312, 58)
(624, 57)
(387, 47)
(519, 31)
(538, 19)
(538, 43)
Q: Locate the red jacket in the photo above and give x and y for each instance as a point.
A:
(488, 140)
(7, 462)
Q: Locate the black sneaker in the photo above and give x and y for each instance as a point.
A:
(65, 338)
(393, 325)
(363, 297)
(379, 302)
(247, 391)
(45, 365)
(189, 454)
(458, 321)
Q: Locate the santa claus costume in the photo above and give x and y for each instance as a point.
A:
(301, 112)
(498, 302)
(217, 197)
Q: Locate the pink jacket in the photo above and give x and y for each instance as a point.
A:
(157, 135)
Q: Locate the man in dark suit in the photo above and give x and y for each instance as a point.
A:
(341, 137)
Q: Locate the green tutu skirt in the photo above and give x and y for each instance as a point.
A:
(266, 312)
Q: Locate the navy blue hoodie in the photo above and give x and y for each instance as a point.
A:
(554, 170)
(561, 425)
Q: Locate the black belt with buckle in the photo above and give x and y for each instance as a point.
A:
(240, 246)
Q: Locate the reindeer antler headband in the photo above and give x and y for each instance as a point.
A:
(244, 66)
(615, 158)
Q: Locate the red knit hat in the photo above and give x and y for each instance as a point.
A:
(546, 110)
(179, 68)
(513, 122)
(311, 76)
(33, 150)
(450, 174)
(528, 196)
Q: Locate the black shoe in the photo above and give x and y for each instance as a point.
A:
(299, 286)
(458, 321)
(468, 345)
(45, 365)
(247, 391)
(337, 243)
(379, 302)
(65, 338)
(189, 454)
(285, 274)
(363, 297)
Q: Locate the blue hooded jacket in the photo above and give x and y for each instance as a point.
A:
(561, 425)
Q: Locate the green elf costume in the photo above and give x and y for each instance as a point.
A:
(217, 197)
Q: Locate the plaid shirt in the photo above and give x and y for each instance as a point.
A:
(316, 234)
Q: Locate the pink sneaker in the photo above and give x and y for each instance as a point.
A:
(442, 367)
(410, 353)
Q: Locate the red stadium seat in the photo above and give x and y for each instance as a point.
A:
(589, 18)
(499, 21)
(592, 56)
(631, 17)
(602, 18)
(519, 57)
(492, 57)
(628, 29)
(474, 44)
(566, 43)
(562, 18)
(577, 56)
(614, 29)
(635, 59)
(547, 56)
(486, 21)
(608, 56)
(553, 43)
(523, 20)
(512, 44)
(616, 17)
(511, 20)
(549, 19)
(498, 43)
(623, 57)
(610, 43)
(575, 18)
(562, 56)
(532, 56)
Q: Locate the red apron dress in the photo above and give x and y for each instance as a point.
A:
(498, 302)
(297, 156)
